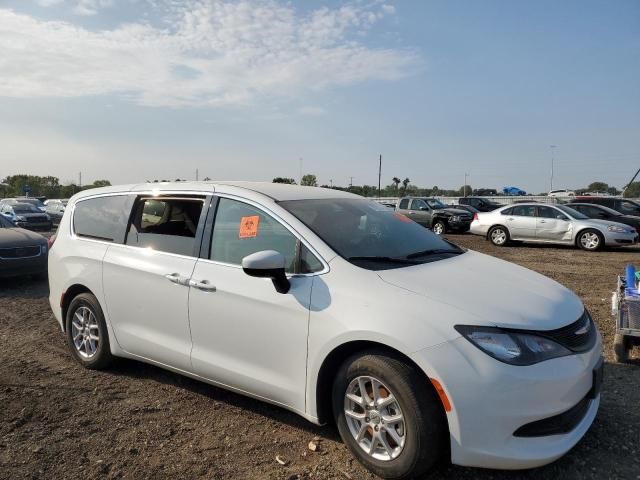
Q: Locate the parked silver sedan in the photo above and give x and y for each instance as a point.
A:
(535, 222)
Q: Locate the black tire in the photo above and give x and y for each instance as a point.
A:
(583, 242)
(102, 357)
(439, 227)
(499, 236)
(426, 432)
(621, 347)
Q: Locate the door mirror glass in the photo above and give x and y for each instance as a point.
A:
(561, 217)
(267, 264)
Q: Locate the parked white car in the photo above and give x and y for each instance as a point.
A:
(336, 308)
(540, 223)
(562, 193)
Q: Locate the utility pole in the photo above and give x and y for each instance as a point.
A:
(196, 174)
(379, 175)
(80, 180)
(350, 182)
(630, 182)
(300, 183)
(331, 182)
(464, 185)
(553, 160)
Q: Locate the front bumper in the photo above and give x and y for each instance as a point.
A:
(492, 400)
(618, 239)
(23, 266)
(459, 225)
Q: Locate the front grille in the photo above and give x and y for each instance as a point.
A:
(558, 424)
(19, 252)
(578, 337)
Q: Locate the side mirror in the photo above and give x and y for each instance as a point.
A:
(267, 264)
(424, 208)
(561, 217)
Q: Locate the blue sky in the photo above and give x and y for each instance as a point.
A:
(131, 90)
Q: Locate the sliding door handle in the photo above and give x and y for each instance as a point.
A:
(204, 285)
(177, 279)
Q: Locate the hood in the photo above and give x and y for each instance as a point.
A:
(595, 222)
(496, 292)
(454, 211)
(19, 237)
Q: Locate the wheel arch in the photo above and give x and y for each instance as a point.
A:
(333, 361)
(69, 294)
(498, 225)
(595, 229)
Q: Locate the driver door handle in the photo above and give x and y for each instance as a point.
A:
(204, 285)
(543, 221)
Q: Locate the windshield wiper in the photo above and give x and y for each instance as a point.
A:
(373, 258)
(433, 251)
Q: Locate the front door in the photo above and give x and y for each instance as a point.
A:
(146, 281)
(552, 225)
(245, 334)
(420, 212)
(521, 222)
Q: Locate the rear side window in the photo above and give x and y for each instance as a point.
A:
(166, 224)
(404, 204)
(101, 218)
(507, 211)
(524, 211)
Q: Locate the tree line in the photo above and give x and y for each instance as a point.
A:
(48, 186)
(401, 188)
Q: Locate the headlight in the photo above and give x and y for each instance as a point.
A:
(616, 229)
(511, 346)
(20, 218)
(455, 218)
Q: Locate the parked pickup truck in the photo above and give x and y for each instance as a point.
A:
(481, 204)
(433, 214)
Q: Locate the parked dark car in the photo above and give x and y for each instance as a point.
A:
(21, 252)
(622, 205)
(485, 192)
(26, 215)
(433, 214)
(482, 204)
(601, 212)
(467, 208)
(55, 209)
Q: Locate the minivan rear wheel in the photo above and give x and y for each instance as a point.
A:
(388, 415)
(87, 335)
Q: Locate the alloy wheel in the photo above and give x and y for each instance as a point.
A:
(438, 228)
(374, 418)
(590, 240)
(498, 236)
(85, 332)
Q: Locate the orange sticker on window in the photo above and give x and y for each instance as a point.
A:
(249, 226)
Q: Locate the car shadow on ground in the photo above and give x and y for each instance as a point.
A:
(140, 370)
(31, 287)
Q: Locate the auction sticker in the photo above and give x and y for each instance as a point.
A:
(249, 226)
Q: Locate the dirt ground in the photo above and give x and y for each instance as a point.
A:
(137, 421)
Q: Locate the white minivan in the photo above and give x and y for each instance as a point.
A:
(336, 308)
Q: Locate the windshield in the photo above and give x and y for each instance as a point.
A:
(573, 213)
(18, 209)
(435, 204)
(368, 234)
(34, 202)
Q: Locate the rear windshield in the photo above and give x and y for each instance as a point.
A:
(369, 234)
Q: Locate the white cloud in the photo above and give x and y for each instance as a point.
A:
(48, 3)
(91, 7)
(212, 53)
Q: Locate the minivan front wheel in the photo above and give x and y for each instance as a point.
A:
(388, 415)
(86, 331)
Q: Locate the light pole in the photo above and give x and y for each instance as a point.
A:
(553, 160)
(464, 185)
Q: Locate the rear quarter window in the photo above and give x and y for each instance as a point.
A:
(102, 218)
